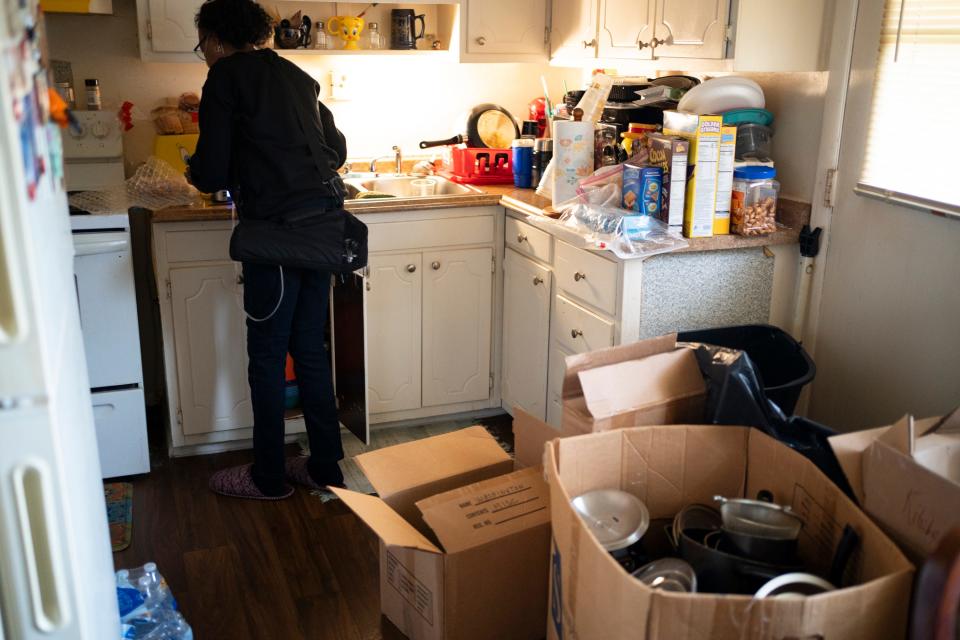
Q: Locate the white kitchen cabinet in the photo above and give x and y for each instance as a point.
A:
(393, 332)
(691, 28)
(573, 29)
(788, 35)
(167, 29)
(624, 26)
(457, 294)
(526, 320)
(504, 29)
(210, 338)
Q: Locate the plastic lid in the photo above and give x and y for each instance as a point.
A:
(755, 173)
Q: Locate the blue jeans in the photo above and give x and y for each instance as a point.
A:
(297, 326)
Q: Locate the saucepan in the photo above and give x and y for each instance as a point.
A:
(486, 126)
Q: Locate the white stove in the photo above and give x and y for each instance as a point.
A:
(103, 273)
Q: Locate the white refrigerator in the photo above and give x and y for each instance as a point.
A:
(56, 569)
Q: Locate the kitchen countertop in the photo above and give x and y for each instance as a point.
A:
(791, 214)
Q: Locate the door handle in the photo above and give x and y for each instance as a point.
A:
(411, 268)
(40, 542)
(575, 333)
(537, 280)
(12, 320)
(435, 265)
(579, 276)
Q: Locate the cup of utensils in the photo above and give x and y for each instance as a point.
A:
(293, 32)
(736, 546)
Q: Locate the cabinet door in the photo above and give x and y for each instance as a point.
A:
(393, 332)
(210, 340)
(558, 369)
(526, 333)
(457, 303)
(171, 27)
(624, 25)
(506, 26)
(692, 28)
(573, 29)
(348, 313)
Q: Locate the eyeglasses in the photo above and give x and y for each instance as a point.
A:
(198, 50)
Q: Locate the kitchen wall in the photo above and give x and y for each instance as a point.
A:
(396, 99)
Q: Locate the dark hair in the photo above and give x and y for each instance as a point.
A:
(236, 22)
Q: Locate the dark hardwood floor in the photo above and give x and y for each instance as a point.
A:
(251, 570)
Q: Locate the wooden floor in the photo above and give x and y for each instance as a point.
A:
(245, 569)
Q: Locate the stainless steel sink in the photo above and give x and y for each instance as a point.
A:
(402, 187)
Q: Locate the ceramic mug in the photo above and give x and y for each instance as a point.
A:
(348, 28)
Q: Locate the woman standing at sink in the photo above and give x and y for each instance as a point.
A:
(252, 143)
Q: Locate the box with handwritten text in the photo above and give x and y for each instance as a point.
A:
(464, 540)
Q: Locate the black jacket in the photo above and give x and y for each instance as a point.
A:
(251, 141)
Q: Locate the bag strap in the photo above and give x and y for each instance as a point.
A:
(304, 117)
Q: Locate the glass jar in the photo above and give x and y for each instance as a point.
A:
(94, 100)
(372, 39)
(753, 206)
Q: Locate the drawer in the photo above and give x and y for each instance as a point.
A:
(578, 330)
(198, 245)
(420, 234)
(587, 276)
(529, 240)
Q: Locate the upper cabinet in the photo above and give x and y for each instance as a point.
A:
(167, 29)
(721, 35)
(503, 30)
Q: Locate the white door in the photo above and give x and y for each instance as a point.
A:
(393, 332)
(692, 28)
(526, 334)
(210, 340)
(573, 29)
(172, 28)
(506, 26)
(457, 304)
(624, 26)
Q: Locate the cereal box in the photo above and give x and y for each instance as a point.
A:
(641, 188)
(728, 142)
(704, 135)
(670, 154)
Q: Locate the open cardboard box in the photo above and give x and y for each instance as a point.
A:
(668, 467)
(643, 383)
(464, 540)
(907, 477)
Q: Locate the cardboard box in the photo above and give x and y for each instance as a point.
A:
(670, 154)
(907, 477)
(593, 598)
(643, 383)
(464, 549)
(728, 144)
(703, 132)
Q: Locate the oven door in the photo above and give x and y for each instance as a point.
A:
(103, 271)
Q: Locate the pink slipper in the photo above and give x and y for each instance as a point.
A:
(298, 472)
(237, 482)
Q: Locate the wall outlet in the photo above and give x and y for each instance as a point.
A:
(341, 87)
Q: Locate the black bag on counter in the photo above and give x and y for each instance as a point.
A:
(329, 239)
(735, 396)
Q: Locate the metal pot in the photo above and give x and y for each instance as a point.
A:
(759, 518)
(486, 126)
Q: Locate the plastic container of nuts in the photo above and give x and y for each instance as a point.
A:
(753, 208)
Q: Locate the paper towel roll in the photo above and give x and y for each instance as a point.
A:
(572, 157)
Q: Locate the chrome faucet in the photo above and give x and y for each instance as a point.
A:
(398, 159)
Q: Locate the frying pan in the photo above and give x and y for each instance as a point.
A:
(486, 126)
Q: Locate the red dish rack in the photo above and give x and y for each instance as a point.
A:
(468, 165)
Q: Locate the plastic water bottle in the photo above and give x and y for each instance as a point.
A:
(148, 610)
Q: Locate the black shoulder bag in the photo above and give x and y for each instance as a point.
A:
(331, 240)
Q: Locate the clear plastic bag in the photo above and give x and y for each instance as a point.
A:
(155, 185)
(597, 217)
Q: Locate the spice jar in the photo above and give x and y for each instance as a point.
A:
(753, 207)
(94, 101)
(372, 37)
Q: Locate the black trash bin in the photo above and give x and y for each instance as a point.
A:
(783, 364)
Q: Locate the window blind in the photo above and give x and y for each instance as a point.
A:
(913, 146)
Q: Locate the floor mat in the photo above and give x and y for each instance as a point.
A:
(380, 438)
(119, 496)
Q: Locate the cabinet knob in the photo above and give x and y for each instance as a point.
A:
(654, 43)
(537, 280)
(576, 333)
(481, 41)
(521, 238)
(411, 268)
(435, 265)
(588, 44)
(642, 45)
(579, 276)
